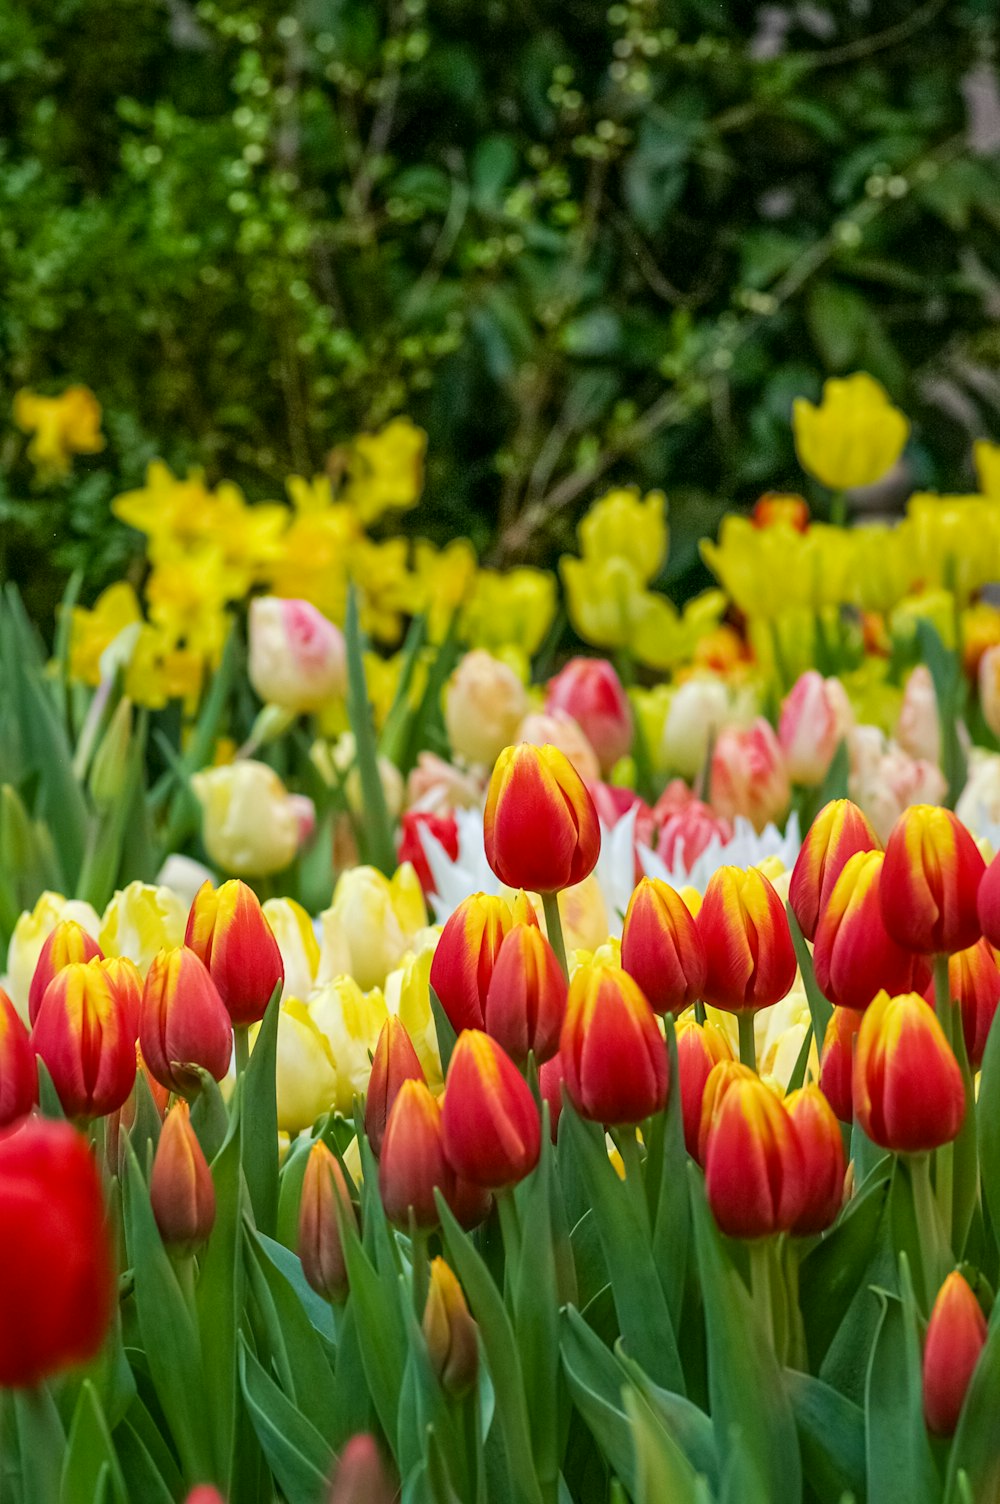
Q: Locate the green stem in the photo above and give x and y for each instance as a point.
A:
(699, 1011)
(942, 995)
(748, 1045)
(510, 1227)
(553, 927)
(760, 1283)
(928, 1222)
(944, 1160)
(838, 509)
(241, 1037)
(419, 1238)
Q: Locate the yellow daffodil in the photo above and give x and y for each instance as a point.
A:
(60, 427)
(515, 608)
(387, 588)
(386, 470)
(167, 505)
(92, 631)
(853, 437)
(442, 581)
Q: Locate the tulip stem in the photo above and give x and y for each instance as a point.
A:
(510, 1228)
(942, 995)
(760, 1282)
(748, 1045)
(944, 1160)
(553, 929)
(241, 1037)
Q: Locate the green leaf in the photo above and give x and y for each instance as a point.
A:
(831, 1436)
(374, 1299)
(89, 1453)
(946, 671)
(536, 1313)
(671, 1207)
(296, 1346)
(832, 1272)
(289, 1264)
(41, 1442)
(663, 1474)
(143, 1480)
(988, 1127)
(380, 848)
(219, 1301)
(296, 1453)
(820, 1010)
(444, 1030)
(258, 1104)
(900, 1465)
(748, 1398)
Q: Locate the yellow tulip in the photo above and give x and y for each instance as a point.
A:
(443, 580)
(956, 540)
(140, 920)
(605, 598)
(370, 925)
(251, 825)
(624, 525)
(854, 437)
(408, 996)
(61, 427)
(512, 608)
(350, 1021)
(296, 937)
(986, 457)
(305, 1076)
(32, 929)
(651, 708)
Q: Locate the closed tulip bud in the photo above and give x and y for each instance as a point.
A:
(126, 980)
(748, 775)
(908, 1092)
(974, 983)
(360, 1476)
(989, 688)
(413, 1165)
(825, 1166)
(540, 826)
(988, 902)
(395, 1061)
(754, 1165)
(526, 1000)
(854, 956)
(484, 703)
(68, 942)
(811, 727)
(838, 831)
(720, 1079)
(18, 1070)
(489, 1121)
(466, 954)
(918, 730)
(550, 1084)
(183, 1021)
(956, 1335)
(836, 1075)
(180, 1187)
(777, 509)
(591, 692)
(661, 947)
(700, 1047)
(228, 931)
(320, 1246)
(251, 825)
(83, 1034)
(56, 1268)
(750, 959)
(204, 1493)
(451, 1335)
(933, 869)
(613, 1056)
(297, 658)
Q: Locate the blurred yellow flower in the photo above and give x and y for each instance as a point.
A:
(140, 920)
(605, 599)
(986, 457)
(92, 631)
(386, 470)
(305, 1075)
(61, 427)
(386, 587)
(442, 581)
(956, 541)
(350, 1020)
(515, 608)
(853, 437)
(32, 929)
(622, 524)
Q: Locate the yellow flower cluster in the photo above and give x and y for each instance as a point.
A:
(60, 427)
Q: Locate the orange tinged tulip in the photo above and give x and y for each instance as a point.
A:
(988, 902)
(83, 1033)
(361, 1476)
(776, 508)
(320, 1246)
(754, 1165)
(823, 1151)
(181, 1190)
(526, 999)
(837, 1062)
(490, 1123)
(930, 886)
(413, 1165)
(615, 1061)
(56, 1263)
(661, 947)
(68, 942)
(395, 1061)
(974, 982)
(540, 826)
(700, 1047)
(450, 1332)
(720, 1078)
(854, 956)
(18, 1070)
(750, 959)
(183, 1021)
(956, 1335)
(126, 978)
(550, 1084)
(838, 831)
(908, 1092)
(226, 928)
(466, 953)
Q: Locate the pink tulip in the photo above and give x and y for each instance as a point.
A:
(297, 656)
(591, 692)
(749, 776)
(812, 726)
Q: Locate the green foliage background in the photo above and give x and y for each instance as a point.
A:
(576, 242)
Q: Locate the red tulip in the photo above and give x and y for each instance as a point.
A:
(823, 1151)
(466, 953)
(183, 1021)
(838, 831)
(550, 1083)
(180, 1187)
(837, 1062)
(360, 1476)
(444, 829)
(489, 1121)
(68, 942)
(55, 1253)
(854, 956)
(956, 1335)
(126, 979)
(750, 959)
(320, 1247)
(395, 1061)
(908, 1092)
(413, 1165)
(227, 930)
(83, 1033)
(18, 1071)
(720, 1078)
(661, 947)
(754, 1166)
(931, 879)
(988, 902)
(540, 826)
(526, 999)
(700, 1047)
(591, 692)
(974, 983)
(612, 1052)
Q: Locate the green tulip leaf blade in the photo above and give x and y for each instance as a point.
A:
(297, 1454)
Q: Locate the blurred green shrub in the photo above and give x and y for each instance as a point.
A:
(575, 241)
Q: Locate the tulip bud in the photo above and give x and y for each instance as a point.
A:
(591, 692)
(932, 873)
(550, 1083)
(750, 959)
(687, 832)
(251, 825)
(395, 1061)
(321, 1250)
(526, 1000)
(465, 956)
(838, 831)
(360, 1476)
(720, 1079)
(109, 769)
(956, 1335)
(413, 1165)
(484, 703)
(988, 900)
(699, 708)
(700, 1047)
(854, 956)
(974, 982)
(228, 931)
(18, 1070)
(183, 1021)
(555, 728)
(540, 826)
(297, 658)
(489, 1121)
(450, 1332)
(204, 1493)
(56, 1266)
(837, 1065)
(811, 727)
(748, 774)
(754, 1165)
(775, 508)
(661, 947)
(83, 1034)
(823, 1151)
(908, 1091)
(613, 1056)
(180, 1187)
(68, 942)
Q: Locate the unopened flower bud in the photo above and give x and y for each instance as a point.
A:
(181, 1190)
(450, 1332)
